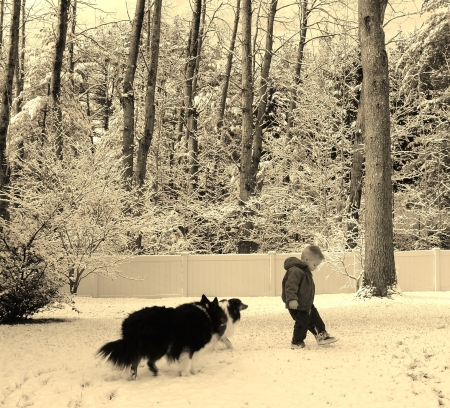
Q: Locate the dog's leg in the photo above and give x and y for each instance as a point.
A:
(194, 361)
(152, 367)
(134, 367)
(185, 364)
(227, 342)
(214, 340)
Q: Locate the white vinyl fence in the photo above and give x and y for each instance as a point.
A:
(233, 275)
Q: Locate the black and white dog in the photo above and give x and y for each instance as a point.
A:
(177, 333)
(232, 309)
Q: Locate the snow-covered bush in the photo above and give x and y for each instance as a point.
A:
(30, 277)
(91, 217)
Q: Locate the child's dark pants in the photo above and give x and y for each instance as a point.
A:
(305, 321)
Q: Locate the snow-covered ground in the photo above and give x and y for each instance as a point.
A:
(391, 353)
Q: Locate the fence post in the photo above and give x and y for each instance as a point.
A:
(95, 286)
(184, 273)
(272, 274)
(437, 265)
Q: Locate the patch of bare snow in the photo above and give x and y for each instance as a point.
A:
(391, 353)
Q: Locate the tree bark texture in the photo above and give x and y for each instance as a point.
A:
(246, 178)
(254, 48)
(190, 112)
(226, 83)
(55, 93)
(180, 122)
(128, 94)
(356, 175)
(107, 97)
(71, 44)
(201, 35)
(2, 17)
(45, 114)
(20, 65)
(246, 182)
(298, 66)
(150, 111)
(6, 95)
(149, 19)
(379, 268)
(261, 114)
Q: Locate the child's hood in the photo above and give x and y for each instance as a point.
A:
(293, 261)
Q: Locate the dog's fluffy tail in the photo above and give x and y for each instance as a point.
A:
(119, 353)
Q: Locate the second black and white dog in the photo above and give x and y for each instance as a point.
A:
(232, 308)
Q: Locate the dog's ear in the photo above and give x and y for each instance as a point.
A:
(205, 300)
(215, 302)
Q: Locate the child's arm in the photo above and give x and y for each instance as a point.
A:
(293, 304)
(292, 283)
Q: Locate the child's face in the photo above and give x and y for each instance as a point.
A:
(312, 261)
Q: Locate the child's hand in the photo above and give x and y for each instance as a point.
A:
(293, 304)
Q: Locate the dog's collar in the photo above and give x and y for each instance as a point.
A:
(207, 314)
(204, 310)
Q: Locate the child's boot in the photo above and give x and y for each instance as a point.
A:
(299, 345)
(324, 338)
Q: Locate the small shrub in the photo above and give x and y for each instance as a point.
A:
(29, 278)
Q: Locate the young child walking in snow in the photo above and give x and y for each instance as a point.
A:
(298, 295)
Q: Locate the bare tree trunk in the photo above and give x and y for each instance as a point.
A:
(45, 113)
(190, 112)
(246, 186)
(150, 111)
(255, 39)
(180, 122)
(226, 82)
(71, 45)
(88, 103)
(20, 65)
(2, 16)
(356, 176)
(55, 92)
(252, 144)
(128, 94)
(246, 179)
(107, 101)
(6, 95)
(149, 18)
(201, 35)
(74, 279)
(298, 66)
(257, 138)
(379, 266)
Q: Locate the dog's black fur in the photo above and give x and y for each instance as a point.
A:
(154, 332)
(232, 308)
